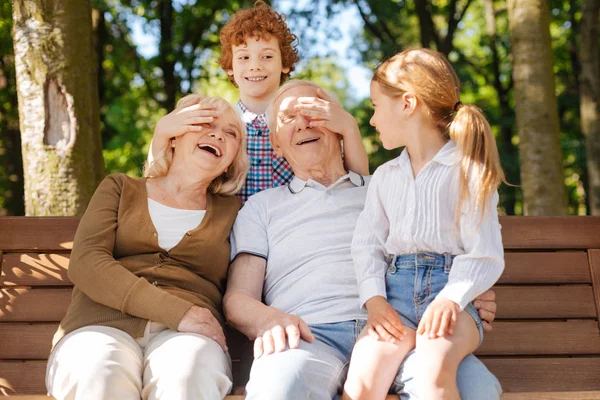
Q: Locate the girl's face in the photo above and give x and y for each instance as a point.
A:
(388, 117)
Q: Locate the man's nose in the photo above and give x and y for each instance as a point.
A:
(302, 122)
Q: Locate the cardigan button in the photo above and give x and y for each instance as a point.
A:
(155, 283)
(189, 233)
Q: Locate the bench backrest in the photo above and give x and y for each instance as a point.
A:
(546, 337)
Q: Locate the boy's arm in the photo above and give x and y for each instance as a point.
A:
(355, 155)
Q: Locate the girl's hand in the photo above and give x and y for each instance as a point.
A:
(439, 318)
(327, 113)
(383, 321)
(200, 320)
(186, 118)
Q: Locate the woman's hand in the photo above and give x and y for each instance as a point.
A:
(186, 118)
(200, 320)
(383, 321)
(439, 318)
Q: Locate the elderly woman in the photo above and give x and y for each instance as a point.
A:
(149, 264)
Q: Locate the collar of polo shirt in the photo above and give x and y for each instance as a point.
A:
(297, 184)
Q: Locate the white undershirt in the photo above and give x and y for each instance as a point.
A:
(172, 223)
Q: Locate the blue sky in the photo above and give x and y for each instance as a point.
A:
(348, 22)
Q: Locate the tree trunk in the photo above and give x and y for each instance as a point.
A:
(590, 98)
(167, 62)
(541, 157)
(58, 105)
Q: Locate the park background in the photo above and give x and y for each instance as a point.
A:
(83, 83)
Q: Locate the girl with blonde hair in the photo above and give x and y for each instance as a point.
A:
(428, 241)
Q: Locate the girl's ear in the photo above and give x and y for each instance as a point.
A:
(409, 102)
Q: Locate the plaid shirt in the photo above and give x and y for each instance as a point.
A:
(267, 170)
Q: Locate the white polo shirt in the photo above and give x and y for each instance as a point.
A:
(304, 231)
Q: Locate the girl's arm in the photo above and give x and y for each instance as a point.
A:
(481, 265)
(355, 155)
(368, 244)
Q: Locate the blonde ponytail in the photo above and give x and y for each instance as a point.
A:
(480, 160)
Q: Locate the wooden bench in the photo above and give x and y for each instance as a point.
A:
(545, 343)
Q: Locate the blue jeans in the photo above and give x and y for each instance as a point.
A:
(414, 280)
(318, 370)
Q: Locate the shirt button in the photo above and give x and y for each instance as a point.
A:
(259, 161)
(405, 237)
(259, 133)
(154, 234)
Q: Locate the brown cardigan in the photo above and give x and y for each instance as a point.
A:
(123, 278)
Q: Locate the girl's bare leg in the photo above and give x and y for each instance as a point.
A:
(374, 365)
(438, 359)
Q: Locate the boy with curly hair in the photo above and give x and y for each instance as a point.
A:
(258, 53)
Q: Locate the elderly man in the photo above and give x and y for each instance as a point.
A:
(291, 247)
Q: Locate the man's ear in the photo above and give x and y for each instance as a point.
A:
(275, 145)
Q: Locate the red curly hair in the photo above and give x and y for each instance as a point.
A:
(262, 22)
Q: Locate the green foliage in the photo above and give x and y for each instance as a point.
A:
(133, 94)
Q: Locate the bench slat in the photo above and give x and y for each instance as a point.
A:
(587, 395)
(514, 302)
(546, 374)
(561, 301)
(26, 341)
(594, 257)
(42, 269)
(546, 267)
(34, 305)
(33, 269)
(56, 233)
(542, 337)
(551, 232)
(22, 377)
(37, 233)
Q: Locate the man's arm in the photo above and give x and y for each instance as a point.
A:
(486, 306)
(270, 328)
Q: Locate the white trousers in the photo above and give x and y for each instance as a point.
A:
(102, 363)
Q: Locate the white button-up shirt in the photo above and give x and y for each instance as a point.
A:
(405, 215)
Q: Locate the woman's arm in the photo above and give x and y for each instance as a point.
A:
(94, 270)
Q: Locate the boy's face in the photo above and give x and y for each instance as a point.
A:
(257, 67)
